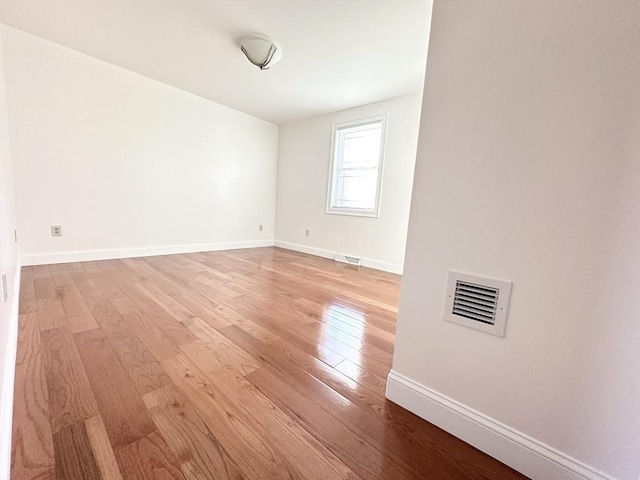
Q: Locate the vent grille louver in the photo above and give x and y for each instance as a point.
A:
(351, 260)
(475, 302)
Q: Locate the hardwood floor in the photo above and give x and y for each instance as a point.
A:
(256, 364)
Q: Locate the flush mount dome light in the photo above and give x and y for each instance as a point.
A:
(262, 51)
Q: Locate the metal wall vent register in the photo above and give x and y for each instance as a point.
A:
(477, 302)
(351, 260)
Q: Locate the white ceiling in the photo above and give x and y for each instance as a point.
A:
(337, 53)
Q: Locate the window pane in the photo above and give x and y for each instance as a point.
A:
(357, 191)
(356, 164)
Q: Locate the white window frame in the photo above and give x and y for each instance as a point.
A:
(359, 212)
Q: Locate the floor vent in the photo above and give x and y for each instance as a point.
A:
(477, 302)
(357, 261)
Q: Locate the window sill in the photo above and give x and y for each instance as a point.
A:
(353, 213)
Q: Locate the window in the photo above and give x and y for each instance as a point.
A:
(356, 167)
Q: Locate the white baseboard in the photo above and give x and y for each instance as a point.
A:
(6, 394)
(521, 452)
(113, 253)
(321, 252)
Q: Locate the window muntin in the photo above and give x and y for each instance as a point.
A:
(356, 167)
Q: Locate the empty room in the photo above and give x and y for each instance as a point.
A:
(320, 239)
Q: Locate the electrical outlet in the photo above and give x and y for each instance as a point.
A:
(5, 294)
(259, 228)
(56, 231)
(306, 233)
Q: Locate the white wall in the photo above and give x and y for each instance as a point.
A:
(528, 170)
(303, 170)
(9, 265)
(124, 162)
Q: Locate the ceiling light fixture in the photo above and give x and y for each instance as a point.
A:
(262, 51)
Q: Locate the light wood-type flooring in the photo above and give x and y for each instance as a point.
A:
(256, 364)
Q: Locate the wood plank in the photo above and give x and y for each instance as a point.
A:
(26, 274)
(326, 293)
(50, 314)
(361, 375)
(41, 271)
(84, 282)
(156, 336)
(82, 323)
(279, 364)
(306, 454)
(160, 333)
(101, 447)
(32, 452)
(71, 399)
(143, 369)
(246, 442)
(377, 429)
(74, 458)
(72, 300)
(113, 292)
(222, 348)
(114, 284)
(200, 304)
(373, 418)
(125, 417)
(27, 292)
(148, 458)
(360, 456)
(202, 356)
(176, 309)
(200, 455)
(216, 287)
(253, 363)
(61, 276)
(358, 328)
(44, 287)
(290, 332)
(144, 315)
(201, 308)
(380, 434)
(357, 341)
